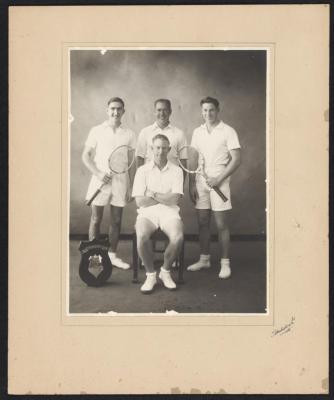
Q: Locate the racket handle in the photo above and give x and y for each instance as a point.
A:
(220, 194)
(89, 202)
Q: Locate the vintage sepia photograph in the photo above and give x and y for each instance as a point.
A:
(168, 197)
(160, 165)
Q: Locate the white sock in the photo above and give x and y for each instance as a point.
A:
(150, 273)
(204, 257)
(164, 270)
(225, 261)
(112, 254)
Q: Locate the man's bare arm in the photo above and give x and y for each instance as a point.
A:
(169, 199)
(132, 173)
(231, 167)
(88, 159)
(145, 201)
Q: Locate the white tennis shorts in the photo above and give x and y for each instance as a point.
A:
(113, 193)
(159, 214)
(208, 199)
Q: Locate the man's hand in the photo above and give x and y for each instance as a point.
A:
(128, 195)
(129, 198)
(193, 192)
(145, 201)
(211, 181)
(149, 193)
(104, 177)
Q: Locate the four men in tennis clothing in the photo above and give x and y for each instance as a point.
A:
(159, 181)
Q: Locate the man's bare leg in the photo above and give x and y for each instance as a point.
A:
(203, 219)
(95, 222)
(221, 219)
(174, 231)
(144, 231)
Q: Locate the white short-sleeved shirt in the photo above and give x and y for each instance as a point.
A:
(104, 140)
(149, 176)
(215, 146)
(176, 138)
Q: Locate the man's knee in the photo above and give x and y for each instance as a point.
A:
(115, 224)
(178, 239)
(116, 218)
(96, 219)
(143, 234)
(142, 237)
(221, 225)
(203, 220)
(176, 236)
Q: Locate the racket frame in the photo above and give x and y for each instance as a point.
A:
(200, 171)
(112, 172)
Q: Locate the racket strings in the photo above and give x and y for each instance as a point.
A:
(121, 159)
(195, 161)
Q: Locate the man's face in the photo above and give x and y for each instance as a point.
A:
(210, 113)
(162, 113)
(160, 150)
(115, 111)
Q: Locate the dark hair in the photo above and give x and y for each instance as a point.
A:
(116, 99)
(162, 137)
(210, 100)
(166, 101)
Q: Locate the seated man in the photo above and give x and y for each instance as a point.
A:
(157, 188)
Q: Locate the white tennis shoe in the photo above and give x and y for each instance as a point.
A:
(167, 280)
(225, 271)
(117, 262)
(200, 264)
(150, 282)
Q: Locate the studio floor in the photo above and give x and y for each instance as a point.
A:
(202, 292)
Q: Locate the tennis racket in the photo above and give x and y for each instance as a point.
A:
(195, 165)
(120, 161)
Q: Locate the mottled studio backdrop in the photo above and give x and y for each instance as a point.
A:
(237, 78)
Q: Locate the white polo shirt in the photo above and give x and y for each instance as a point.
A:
(215, 146)
(104, 140)
(175, 136)
(149, 176)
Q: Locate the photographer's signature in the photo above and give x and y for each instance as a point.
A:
(284, 329)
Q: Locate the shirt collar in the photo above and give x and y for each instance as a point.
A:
(219, 126)
(106, 124)
(151, 165)
(156, 126)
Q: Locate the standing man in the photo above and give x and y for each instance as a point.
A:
(101, 141)
(219, 144)
(157, 188)
(176, 137)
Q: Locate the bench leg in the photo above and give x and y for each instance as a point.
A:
(135, 260)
